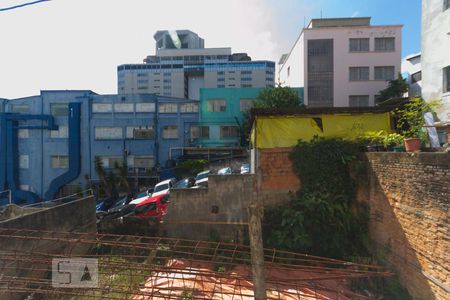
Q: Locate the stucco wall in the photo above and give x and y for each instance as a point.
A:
(343, 59)
(201, 213)
(435, 53)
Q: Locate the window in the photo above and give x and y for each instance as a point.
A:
(416, 77)
(229, 131)
(168, 108)
(446, 4)
(447, 79)
(24, 161)
(199, 132)
(269, 72)
(288, 71)
(142, 75)
(246, 104)
(142, 81)
(189, 107)
(20, 108)
(110, 162)
(145, 107)
(61, 133)
(59, 109)
(358, 73)
(359, 45)
(102, 108)
(108, 133)
(23, 133)
(384, 73)
(246, 85)
(170, 132)
(220, 85)
(216, 105)
(140, 132)
(59, 161)
(385, 44)
(269, 78)
(167, 74)
(246, 79)
(142, 87)
(359, 100)
(246, 72)
(141, 162)
(123, 107)
(220, 79)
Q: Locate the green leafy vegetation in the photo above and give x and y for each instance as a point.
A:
(396, 88)
(324, 217)
(410, 119)
(190, 167)
(277, 97)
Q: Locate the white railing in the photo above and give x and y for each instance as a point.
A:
(85, 193)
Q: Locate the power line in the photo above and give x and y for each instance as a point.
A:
(22, 5)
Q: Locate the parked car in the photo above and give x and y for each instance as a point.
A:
(163, 187)
(120, 209)
(105, 204)
(225, 171)
(154, 207)
(142, 196)
(185, 183)
(245, 169)
(202, 178)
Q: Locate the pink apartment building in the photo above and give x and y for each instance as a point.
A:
(342, 62)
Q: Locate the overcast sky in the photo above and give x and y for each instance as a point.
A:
(77, 44)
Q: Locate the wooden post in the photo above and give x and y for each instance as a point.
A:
(255, 214)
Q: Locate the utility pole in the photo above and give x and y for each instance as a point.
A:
(255, 214)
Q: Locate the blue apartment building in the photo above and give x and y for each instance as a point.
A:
(49, 142)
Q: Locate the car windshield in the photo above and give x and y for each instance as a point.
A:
(182, 183)
(161, 187)
(201, 176)
(140, 195)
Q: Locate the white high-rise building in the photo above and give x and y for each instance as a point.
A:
(182, 65)
(436, 55)
(342, 62)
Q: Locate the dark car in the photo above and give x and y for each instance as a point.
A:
(185, 183)
(119, 209)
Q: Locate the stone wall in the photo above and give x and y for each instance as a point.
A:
(203, 213)
(409, 196)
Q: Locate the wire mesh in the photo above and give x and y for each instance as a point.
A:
(137, 267)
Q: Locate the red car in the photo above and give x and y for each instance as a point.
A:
(154, 207)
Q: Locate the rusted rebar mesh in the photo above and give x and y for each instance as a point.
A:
(141, 268)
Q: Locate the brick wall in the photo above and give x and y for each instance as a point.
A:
(277, 179)
(409, 195)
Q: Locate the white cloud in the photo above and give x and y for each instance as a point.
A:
(77, 44)
(355, 14)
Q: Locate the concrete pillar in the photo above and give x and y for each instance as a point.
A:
(255, 215)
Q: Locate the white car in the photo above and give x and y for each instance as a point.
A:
(141, 197)
(225, 171)
(163, 187)
(202, 178)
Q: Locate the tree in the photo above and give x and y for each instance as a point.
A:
(277, 97)
(396, 88)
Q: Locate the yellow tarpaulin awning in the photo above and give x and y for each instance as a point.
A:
(285, 131)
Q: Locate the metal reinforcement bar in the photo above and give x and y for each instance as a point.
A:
(137, 267)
